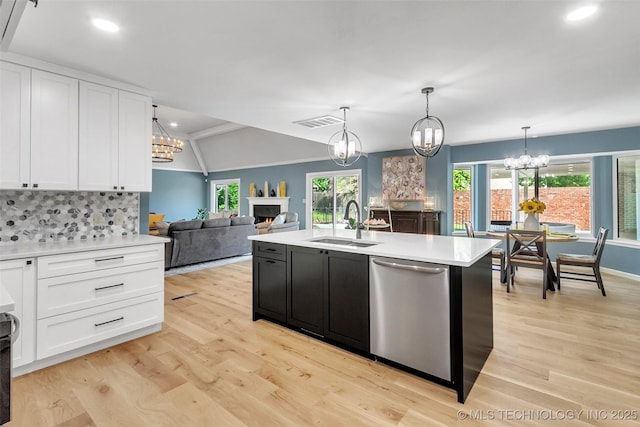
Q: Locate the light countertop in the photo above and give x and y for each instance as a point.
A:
(459, 251)
(33, 249)
(6, 302)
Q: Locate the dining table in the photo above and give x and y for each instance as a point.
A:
(551, 238)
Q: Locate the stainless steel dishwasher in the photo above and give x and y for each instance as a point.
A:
(409, 308)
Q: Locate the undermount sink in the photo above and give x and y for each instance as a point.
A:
(343, 242)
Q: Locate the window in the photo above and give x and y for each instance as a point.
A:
(461, 197)
(501, 194)
(628, 202)
(566, 190)
(329, 193)
(225, 195)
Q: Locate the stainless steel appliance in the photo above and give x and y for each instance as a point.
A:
(9, 331)
(409, 308)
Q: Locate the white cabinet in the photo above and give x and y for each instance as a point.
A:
(19, 279)
(92, 296)
(15, 125)
(98, 133)
(134, 126)
(54, 131)
(115, 138)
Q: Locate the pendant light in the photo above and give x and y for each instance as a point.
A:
(163, 146)
(344, 146)
(427, 134)
(525, 161)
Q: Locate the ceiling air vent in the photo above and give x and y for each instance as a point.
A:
(317, 122)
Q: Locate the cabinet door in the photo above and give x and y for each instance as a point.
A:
(19, 279)
(15, 125)
(305, 281)
(98, 138)
(405, 222)
(270, 288)
(54, 131)
(431, 223)
(134, 134)
(347, 299)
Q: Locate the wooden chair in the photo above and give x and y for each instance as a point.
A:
(496, 253)
(591, 261)
(527, 249)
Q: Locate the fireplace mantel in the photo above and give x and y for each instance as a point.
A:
(283, 202)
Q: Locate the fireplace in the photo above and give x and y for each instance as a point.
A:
(265, 213)
(266, 208)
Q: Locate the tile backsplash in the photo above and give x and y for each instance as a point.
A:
(47, 216)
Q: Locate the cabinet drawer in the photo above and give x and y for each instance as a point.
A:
(270, 250)
(85, 262)
(66, 332)
(63, 294)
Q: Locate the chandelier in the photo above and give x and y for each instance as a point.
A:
(526, 161)
(344, 146)
(427, 134)
(163, 146)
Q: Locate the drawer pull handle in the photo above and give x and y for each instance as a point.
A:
(270, 250)
(110, 259)
(109, 321)
(101, 288)
(270, 262)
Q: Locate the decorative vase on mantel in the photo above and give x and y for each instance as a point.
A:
(531, 222)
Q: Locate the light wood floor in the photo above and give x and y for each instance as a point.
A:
(212, 366)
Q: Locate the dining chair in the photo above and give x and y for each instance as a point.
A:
(527, 248)
(496, 253)
(590, 261)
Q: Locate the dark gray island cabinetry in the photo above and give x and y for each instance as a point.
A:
(320, 284)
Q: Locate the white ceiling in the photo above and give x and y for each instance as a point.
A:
(495, 65)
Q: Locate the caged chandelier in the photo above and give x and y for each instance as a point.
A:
(344, 146)
(427, 134)
(526, 161)
(163, 146)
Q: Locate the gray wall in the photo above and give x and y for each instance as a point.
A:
(176, 194)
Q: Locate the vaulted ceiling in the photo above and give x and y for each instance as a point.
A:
(495, 65)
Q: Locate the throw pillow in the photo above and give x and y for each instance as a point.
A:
(162, 227)
(242, 220)
(154, 217)
(215, 215)
(216, 222)
(279, 219)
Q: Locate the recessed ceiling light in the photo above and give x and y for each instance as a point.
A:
(105, 25)
(582, 13)
(174, 124)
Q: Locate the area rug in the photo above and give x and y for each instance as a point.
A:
(205, 265)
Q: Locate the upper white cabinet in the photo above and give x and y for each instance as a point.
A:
(62, 133)
(134, 165)
(54, 131)
(115, 138)
(15, 125)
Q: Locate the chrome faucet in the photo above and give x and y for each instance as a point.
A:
(358, 223)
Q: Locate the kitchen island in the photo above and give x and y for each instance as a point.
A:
(327, 284)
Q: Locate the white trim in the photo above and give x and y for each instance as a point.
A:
(328, 174)
(198, 155)
(263, 165)
(215, 130)
(614, 191)
(620, 273)
(70, 72)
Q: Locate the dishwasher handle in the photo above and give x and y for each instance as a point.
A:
(415, 268)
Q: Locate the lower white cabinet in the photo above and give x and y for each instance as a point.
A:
(70, 331)
(95, 298)
(18, 277)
